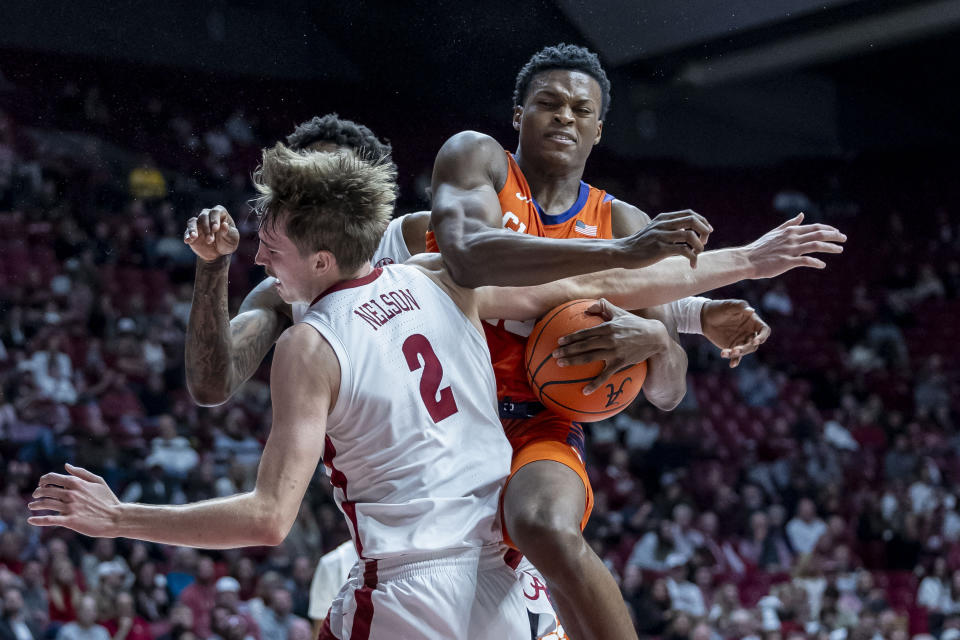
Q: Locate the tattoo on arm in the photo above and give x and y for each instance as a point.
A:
(222, 353)
(252, 335)
(207, 351)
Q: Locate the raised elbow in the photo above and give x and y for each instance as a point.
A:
(207, 395)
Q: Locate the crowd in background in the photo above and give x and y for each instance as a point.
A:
(810, 493)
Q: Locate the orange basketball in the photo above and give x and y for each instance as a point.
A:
(560, 389)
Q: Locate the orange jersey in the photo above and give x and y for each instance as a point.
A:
(588, 218)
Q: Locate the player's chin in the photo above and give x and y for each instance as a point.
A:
(562, 156)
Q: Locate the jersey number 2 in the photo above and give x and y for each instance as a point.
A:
(417, 346)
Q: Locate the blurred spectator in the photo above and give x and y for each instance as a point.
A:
(171, 452)
(928, 285)
(743, 625)
(181, 624)
(805, 528)
(85, 627)
(146, 181)
(276, 621)
(652, 608)
(756, 383)
(102, 560)
(301, 576)
(201, 595)
(762, 547)
(934, 590)
(655, 547)
(64, 591)
(125, 624)
(777, 301)
(685, 595)
(150, 595)
(900, 461)
(931, 392)
(15, 624)
(228, 597)
(35, 594)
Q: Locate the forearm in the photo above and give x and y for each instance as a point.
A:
(506, 258)
(208, 343)
(668, 280)
(222, 523)
(661, 283)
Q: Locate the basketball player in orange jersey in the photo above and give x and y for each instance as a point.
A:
(516, 219)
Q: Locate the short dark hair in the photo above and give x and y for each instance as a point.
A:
(343, 133)
(566, 57)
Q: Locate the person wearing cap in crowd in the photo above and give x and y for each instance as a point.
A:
(92, 564)
(228, 597)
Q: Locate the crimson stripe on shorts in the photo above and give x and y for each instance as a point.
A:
(339, 480)
(364, 598)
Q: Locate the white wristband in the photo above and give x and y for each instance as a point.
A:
(686, 313)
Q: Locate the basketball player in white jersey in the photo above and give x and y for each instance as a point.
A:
(389, 379)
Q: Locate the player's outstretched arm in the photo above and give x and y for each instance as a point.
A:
(304, 382)
(222, 353)
(466, 217)
(786, 247)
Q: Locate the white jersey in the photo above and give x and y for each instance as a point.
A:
(392, 250)
(414, 448)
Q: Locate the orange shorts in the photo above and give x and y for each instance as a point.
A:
(547, 437)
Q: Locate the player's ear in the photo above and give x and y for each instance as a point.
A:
(596, 139)
(324, 262)
(517, 114)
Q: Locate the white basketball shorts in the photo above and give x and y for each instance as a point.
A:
(468, 594)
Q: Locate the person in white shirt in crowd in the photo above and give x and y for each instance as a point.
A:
(934, 590)
(85, 627)
(805, 528)
(777, 300)
(684, 594)
(276, 622)
(655, 547)
(170, 451)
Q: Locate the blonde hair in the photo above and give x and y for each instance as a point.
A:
(337, 202)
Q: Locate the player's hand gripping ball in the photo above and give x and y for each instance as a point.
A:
(560, 389)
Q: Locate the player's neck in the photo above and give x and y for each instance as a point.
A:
(324, 285)
(554, 188)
